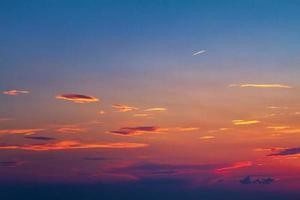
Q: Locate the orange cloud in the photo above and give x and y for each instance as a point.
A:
(123, 108)
(155, 109)
(70, 144)
(101, 112)
(289, 130)
(70, 130)
(20, 131)
(184, 129)
(15, 92)
(269, 149)
(235, 166)
(244, 122)
(278, 127)
(207, 137)
(261, 85)
(77, 98)
(141, 115)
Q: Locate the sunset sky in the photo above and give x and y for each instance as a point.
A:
(196, 93)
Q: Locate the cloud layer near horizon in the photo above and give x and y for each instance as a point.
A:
(71, 144)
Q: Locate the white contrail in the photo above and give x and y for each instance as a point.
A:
(199, 52)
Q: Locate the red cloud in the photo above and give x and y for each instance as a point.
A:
(77, 98)
(234, 166)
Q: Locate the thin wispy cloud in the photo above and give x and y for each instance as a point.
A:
(140, 115)
(123, 108)
(71, 144)
(234, 166)
(11, 163)
(207, 137)
(199, 52)
(277, 107)
(244, 122)
(289, 130)
(20, 131)
(77, 98)
(5, 119)
(15, 92)
(70, 130)
(276, 128)
(139, 130)
(39, 138)
(158, 109)
(250, 85)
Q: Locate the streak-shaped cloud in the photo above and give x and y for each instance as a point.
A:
(139, 130)
(244, 122)
(70, 130)
(235, 166)
(123, 108)
(20, 131)
(156, 169)
(140, 115)
(207, 137)
(276, 128)
(261, 181)
(199, 52)
(159, 109)
(286, 152)
(71, 144)
(261, 85)
(39, 138)
(10, 163)
(15, 92)
(289, 130)
(183, 129)
(94, 158)
(5, 119)
(77, 98)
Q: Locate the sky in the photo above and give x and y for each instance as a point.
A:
(196, 98)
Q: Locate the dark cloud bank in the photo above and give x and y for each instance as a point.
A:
(146, 189)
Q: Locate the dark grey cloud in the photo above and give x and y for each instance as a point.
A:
(148, 169)
(286, 152)
(10, 163)
(94, 158)
(39, 138)
(262, 181)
